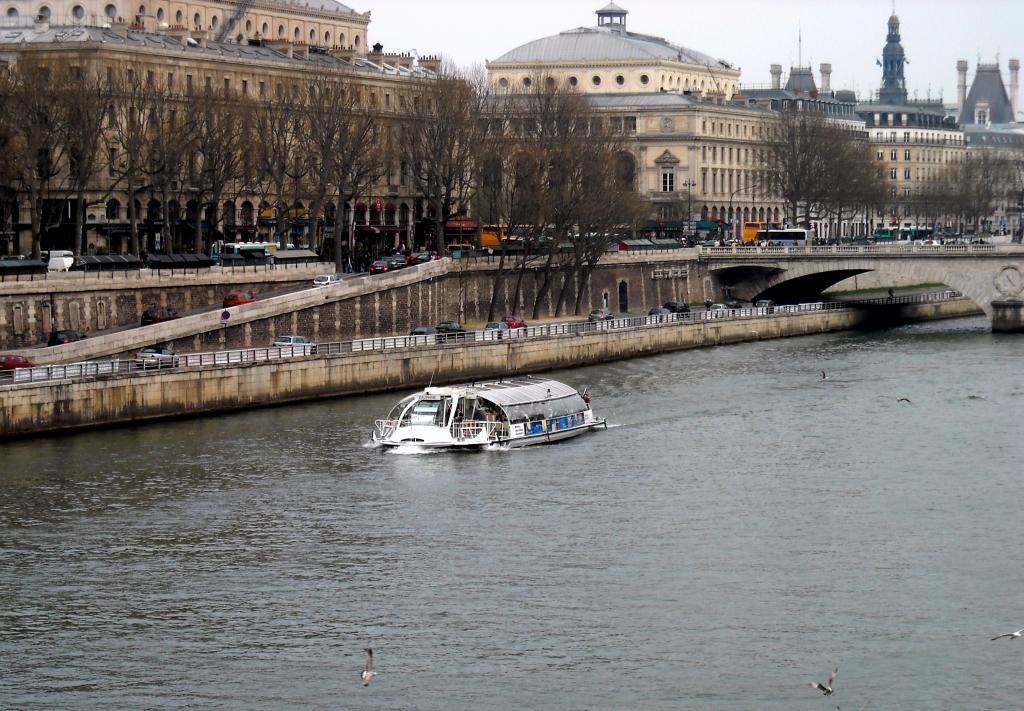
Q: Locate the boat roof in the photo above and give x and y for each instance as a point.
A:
(511, 391)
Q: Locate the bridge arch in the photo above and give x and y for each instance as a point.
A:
(992, 277)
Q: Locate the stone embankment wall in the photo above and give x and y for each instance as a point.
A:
(53, 407)
(31, 308)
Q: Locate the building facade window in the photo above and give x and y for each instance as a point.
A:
(668, 180)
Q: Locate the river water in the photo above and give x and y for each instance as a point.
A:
(740, 530)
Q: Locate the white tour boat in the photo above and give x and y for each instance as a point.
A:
(515, 412)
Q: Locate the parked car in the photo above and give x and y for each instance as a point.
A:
(396, 261)
(155, 357)
(719, 310)
(677, 307)
(659, 311)
(13, 362)
(235, 298)
(514, 322)
(423, 331)
(380, 266)
(158, 315)
(326, 280)
(499, 326)
(282, 341)
(767, 304)
(601, 314)
(58, 337)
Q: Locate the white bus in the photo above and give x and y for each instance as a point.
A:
(789, 237)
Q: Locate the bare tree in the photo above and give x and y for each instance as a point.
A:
(277, 154)
(34, 136)
(168, 148)
(219, 146)
(85, 99)
(440, 138)
(129, 130)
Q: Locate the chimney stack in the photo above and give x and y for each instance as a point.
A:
(961, 86)
(776, 76)
(826, 78)
(1014, 87)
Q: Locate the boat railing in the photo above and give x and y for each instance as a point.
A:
(385, 428)
(471, 429)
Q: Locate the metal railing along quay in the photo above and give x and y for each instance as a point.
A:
(861, 250)
(194, 361)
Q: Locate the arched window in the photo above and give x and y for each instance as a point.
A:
(160, 14)
(296, 33)
(78, 12)
(327, 39)
(247, 216)
(153, 210)
(12, 12)
(110, 11)
(341, 39)
(179, 17)
(280, 30)
(312, 36)
(248, 26)
(503, 83)
(44, 11)
(550, 82)
(596, 80)
(213, 22)
(356, 42)
(573, 81)
(113, 209)
(265, 30)
(197, 21)
(527, 81)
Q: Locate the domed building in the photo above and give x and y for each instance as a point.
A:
(609, 58)
(692, 146)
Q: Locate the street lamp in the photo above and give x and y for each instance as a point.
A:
(690, 185)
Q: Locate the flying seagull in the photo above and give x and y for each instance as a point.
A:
(904, 399)
(368, 673)
(826, 688)
(1011, 635)
(823, 376)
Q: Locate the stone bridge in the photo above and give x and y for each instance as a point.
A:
(991, 275)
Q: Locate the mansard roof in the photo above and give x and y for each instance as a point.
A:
(988, 87)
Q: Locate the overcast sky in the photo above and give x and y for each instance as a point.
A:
(752, 34)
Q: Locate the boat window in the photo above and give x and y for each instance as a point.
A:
(398, 409)
(424, 412)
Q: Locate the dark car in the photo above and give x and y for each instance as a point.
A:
(158, 315)
(420, 258)
(767, 304)
(734, 304)
(380, 266)
(677, 307)
(423, 331)
(236, 298)
(659, 311)
(396, 262)
(59, 337)
(601, 314)
(450, 331)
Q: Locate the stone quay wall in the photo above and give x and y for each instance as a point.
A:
(97, 301)
(118, 399)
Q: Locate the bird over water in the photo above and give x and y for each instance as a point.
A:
(368, 673)
(828, 687)
(1011, 635)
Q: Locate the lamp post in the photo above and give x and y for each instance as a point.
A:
(690, 185)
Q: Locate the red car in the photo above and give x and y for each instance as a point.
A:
(514, 322)
(236, 298)
(10, 362)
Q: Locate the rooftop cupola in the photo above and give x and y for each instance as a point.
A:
(613, 17)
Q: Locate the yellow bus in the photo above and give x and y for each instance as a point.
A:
(750, 230)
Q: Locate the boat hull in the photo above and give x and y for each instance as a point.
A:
(522, 441)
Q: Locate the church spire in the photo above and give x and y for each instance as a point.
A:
(894, 86)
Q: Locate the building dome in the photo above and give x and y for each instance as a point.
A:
(601, 44)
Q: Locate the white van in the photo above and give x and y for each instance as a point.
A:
(60, 260)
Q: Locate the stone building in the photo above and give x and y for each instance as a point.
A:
(320, 23)
(189, 59)
(914, 142)
(692, 147)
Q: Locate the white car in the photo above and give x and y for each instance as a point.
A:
(157, 358)
(326, 280)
